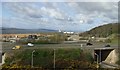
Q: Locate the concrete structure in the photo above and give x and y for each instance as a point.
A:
(112, 57)
(102, 53)
(107, 55)
(2, 58)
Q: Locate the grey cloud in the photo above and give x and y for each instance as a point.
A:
(37, 13)
(89, 9)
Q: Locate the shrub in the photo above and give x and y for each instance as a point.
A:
(65, 58)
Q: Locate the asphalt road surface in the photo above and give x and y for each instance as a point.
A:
(6, 46)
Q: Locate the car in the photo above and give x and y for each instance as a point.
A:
(107, 45)
(30, 44)
(16, 47)
(89, 44)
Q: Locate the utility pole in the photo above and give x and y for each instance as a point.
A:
(54, 60)
(32, 58)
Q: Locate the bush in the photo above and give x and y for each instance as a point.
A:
(108, 40)
(74, 64)
(65, 58)
(70, 54)
(56, 38)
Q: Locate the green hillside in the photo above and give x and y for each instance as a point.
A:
(103, 31)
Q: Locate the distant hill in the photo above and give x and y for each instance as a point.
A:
(103, 31)
(24, 31)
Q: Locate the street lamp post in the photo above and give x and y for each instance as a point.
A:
(54, 59)
(97, 60)
(32, 58)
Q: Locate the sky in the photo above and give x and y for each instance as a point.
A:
(69, 16)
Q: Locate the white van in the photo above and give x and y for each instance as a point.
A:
(30, 44)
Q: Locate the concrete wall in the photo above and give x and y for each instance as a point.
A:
(112, 57)
(3, 58)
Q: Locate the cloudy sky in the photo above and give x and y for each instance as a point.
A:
(73, 16)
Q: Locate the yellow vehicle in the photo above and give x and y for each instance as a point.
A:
(16, 47)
